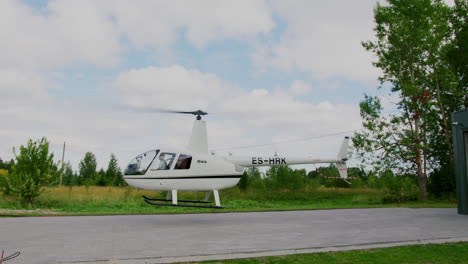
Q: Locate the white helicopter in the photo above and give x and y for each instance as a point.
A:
(194, 169)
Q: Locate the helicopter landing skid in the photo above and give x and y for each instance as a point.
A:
(167, 200)
(183, 205)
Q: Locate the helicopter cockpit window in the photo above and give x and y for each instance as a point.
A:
(183, 163)
(164, 161)
(140, 164)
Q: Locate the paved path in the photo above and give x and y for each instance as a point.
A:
(160, 238)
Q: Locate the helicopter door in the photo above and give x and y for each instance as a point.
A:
(164, 161)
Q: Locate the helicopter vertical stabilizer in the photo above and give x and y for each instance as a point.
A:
(342, 169)
(198, 140)
(343, 155)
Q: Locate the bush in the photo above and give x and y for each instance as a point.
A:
(252, 178)
(283, 177)
(442, 182)
(25, 185)
(313, 183)
(33, 169)
(3, 182)
(400, 189)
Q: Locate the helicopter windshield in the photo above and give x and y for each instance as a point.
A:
(140, 164)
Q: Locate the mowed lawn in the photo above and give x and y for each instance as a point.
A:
(127, 200)
(450, 253)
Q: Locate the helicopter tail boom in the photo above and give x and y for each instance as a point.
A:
(258, 161)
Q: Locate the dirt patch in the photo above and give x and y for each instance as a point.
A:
(36, 211)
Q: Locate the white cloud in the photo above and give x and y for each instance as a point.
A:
(323, 38)
(70, 32)
(170, 88)
(157, 23)
(91, 32)
(280, 112)
(20, 86)
(299, 87)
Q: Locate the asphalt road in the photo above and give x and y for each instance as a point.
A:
(162, 238)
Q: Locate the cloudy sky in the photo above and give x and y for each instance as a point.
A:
(265, 71)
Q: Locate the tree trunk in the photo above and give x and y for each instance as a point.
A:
(445, 127)
(421, 177)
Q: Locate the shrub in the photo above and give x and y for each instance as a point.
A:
(283, 177)
(400, 189)
(252, 178)
(442, 182)
(3, 181)
(33, 169)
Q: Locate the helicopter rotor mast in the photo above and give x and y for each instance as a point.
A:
(198, 140)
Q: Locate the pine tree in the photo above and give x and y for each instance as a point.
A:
(114, 175)
(87, 169)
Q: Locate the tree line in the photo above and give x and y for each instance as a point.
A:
(34, 167)
(88, 174)
(397, 188)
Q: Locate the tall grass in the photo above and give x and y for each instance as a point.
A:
(106, 200)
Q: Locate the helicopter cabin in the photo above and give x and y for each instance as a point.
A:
(141, 163)
(180, 170)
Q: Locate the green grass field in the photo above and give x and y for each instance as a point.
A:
(452, 253)
(127, 200)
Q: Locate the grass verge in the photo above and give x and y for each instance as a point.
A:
(449, 253)
(81, 200)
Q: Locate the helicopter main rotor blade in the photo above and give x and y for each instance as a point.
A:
(197, 112)
(161, 110)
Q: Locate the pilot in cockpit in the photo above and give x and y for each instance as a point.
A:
(162, 163)
(138, 164)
